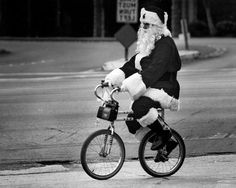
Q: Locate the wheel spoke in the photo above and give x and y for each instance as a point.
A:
(163, 165)
(98, 158)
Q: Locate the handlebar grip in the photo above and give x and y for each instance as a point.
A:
(105, 84)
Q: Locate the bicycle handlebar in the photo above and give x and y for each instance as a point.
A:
(106, 84)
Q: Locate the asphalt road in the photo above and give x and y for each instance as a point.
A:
(48, 118)
(197, 172)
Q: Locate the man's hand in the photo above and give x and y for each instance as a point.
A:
(123, 87)
(108, 81)
(115, 77)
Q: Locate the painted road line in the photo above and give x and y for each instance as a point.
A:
(49, 76)
(214, 137)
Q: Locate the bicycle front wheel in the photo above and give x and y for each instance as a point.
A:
(166, 167)
(102, 154)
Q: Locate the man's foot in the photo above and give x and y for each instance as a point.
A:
(162, 154)
(170, 146)
(157, 143)
(160, 158)
(160, 140)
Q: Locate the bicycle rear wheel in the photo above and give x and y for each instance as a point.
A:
(162, 168)
(102, 154)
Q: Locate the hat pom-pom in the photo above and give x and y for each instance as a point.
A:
(165, 18)
(166, 32)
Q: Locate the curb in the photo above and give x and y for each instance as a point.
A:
(217, 52)
(129, 164)
(35, 170)
(184, 55)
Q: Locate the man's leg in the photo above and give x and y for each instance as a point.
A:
(140, 108)
(145, 112)
(132, 125)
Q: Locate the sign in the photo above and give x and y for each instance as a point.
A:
(126, 36)
(127, 11)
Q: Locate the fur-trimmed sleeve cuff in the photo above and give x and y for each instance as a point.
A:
(115, 77)
(138, 58)
(135, 85)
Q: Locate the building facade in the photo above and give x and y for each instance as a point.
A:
(76, 18)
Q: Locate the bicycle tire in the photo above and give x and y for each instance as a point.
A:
(97, 163)
(161, 169)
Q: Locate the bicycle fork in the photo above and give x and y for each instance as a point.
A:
(107, 144)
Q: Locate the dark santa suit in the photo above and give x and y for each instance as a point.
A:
(155, 72)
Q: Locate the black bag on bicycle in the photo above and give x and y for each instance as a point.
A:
(108, 111)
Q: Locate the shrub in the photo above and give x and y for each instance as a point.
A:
(226, 28)
(198, 29)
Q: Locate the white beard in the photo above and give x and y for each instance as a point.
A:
(146, 40)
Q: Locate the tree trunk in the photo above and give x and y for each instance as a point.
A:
(58, 18)
(211, 26)
(184, 9)
(98, 18)
(0, 16)
(175, 17)
(28, 17)
(102, 19)
(95, 15)
(192, 10)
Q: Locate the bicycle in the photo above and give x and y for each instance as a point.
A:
(103, 152)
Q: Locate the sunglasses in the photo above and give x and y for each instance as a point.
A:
(146, 25)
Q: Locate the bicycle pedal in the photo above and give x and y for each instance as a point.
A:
(161, 158)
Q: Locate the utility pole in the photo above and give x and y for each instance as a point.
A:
(175, 17)
(58, 18)
(28, 17)
(98, 18)
(184, 9)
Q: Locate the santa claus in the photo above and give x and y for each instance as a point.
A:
(150, 76)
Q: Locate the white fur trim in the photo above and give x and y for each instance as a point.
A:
(165, 18)
(159, 95)
(174, 105)
(140, 133)
(115, 77)
(163, 98)
(166, 32)
(138, 58)
(135, 85)
(149, 118)
(150, 17)
(153, 18)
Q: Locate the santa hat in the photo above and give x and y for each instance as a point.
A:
(156, 16)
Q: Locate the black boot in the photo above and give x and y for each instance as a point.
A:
(132, 125)
(163, 157)
(162, 134)
(170, 146)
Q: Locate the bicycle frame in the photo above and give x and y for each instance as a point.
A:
(111, 127)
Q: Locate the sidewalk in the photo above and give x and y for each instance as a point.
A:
(53, 57)
(194, 53)
(203, 171)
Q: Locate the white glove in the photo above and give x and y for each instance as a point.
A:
(123, 87)
(107, 80)
(115, 77)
